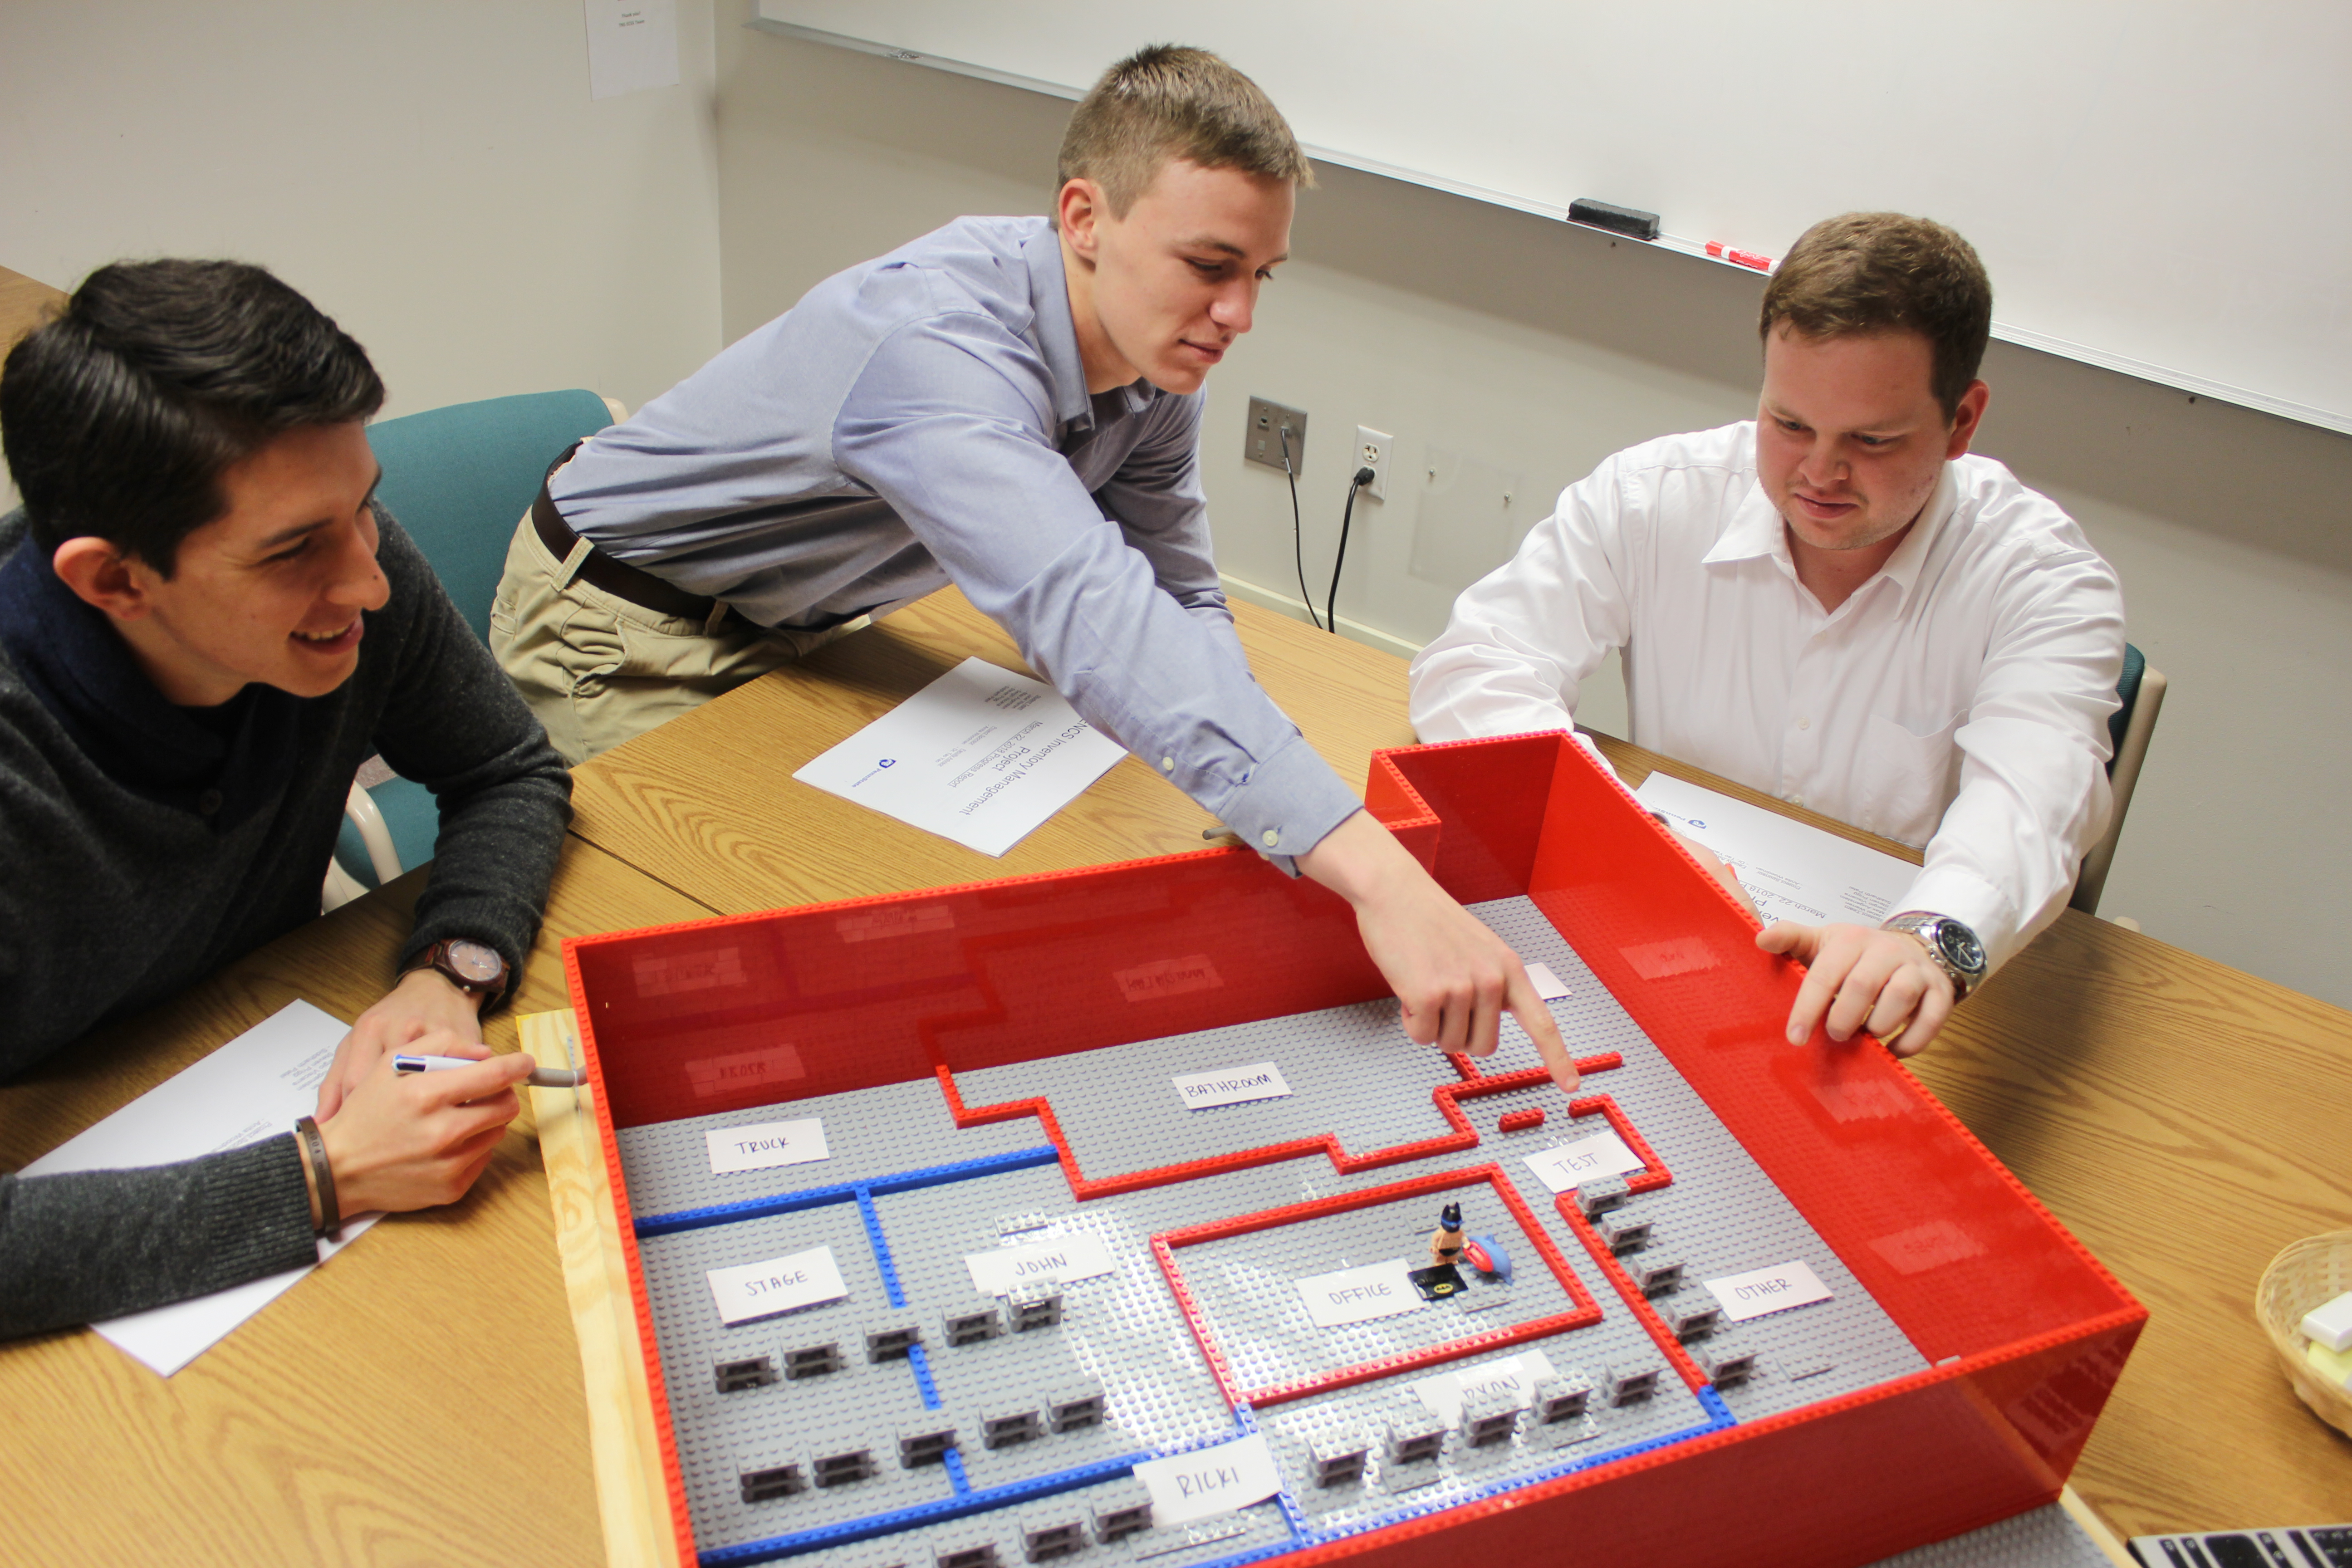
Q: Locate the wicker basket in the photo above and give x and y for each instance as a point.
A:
(2311, 1273)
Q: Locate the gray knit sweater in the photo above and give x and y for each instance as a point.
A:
(113, 900)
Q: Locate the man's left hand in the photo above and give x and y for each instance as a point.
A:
(1862, 977)
(421, 1002)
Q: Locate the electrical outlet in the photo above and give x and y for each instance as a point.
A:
(1373, 449)
(1263, 442)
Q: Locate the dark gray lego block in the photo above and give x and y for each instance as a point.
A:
(1623, 1229)
(1037, 1307)
(867, 1133)
(2046, 1537)
(1725, 1362)
(1489, 1416)
(1049, 1533)
(1600, 1194)
(1623, 1382)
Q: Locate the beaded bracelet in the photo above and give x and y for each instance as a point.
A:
(330, 1217)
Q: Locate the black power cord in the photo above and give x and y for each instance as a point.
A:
(1331, 602)
(1298, 551)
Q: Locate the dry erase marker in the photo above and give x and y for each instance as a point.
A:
(1722, 252)
(541, 1077)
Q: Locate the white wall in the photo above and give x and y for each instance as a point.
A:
(433, 174)
(1521, 352)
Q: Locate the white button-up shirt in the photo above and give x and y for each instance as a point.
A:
(1958, 699)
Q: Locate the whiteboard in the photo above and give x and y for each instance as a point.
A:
(2163, 187)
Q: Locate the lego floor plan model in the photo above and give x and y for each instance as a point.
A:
(1005, 1257)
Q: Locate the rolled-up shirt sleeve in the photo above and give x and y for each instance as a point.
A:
(951, 423)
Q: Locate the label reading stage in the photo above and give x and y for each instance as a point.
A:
(1548, 986)
(758, 1290)
(1064, 1257)
(1515, 1376)
(765, 1145)
(1762, 1290)
(1360, 1295)
(1602, 1155)
(1232, 1086)
(1186, 1486)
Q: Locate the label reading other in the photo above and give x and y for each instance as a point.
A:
(1762, 1290)
(1065, 1257)
(756, 1290)
(1186, 1486)
(766, 1144)
(1603, 1155)
(1360, 1295)
(1232, 1086)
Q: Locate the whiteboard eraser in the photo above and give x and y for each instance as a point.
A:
(1615, 219)
(2331, 1325)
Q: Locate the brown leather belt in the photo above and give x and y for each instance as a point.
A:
(642, 589)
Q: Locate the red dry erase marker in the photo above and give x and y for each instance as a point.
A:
(1717, 249)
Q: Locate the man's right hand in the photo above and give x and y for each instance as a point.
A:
(413, 1141)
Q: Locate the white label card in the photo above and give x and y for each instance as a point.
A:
(1603, 1155)
(1762, 1290)
(755, 1291)
(1515, 1375)
(1360, 1295)
(1548, 986)
(1064, 1257)
(1232, 1086)
(766, 1144)
(1206, 1481)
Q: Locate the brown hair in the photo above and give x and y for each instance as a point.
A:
(1169, 101)
(1883, 272)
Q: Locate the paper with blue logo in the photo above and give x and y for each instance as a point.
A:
(981, 755)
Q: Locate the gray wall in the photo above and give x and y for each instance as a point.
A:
(1512, 353)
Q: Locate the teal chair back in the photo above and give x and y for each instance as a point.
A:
(459, 478)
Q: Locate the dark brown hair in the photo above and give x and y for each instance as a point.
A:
(1169, 101)
(1884, 272)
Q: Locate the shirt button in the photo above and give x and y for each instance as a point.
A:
(1804, 723)
(1272, 838)
(209, 802)
(1796, 800)
(1167, 764)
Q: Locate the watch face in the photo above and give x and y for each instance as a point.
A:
(1961, 946)
(475, 961)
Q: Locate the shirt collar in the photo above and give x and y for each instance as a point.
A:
(1057, 335)
(1756, 532)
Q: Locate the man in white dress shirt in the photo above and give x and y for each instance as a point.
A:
(1837, 603)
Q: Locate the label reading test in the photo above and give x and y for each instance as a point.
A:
(765, 1145)
(755, 1291)
(1232, 1086)
(1602, 1155)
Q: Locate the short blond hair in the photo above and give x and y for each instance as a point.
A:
(1167, 101)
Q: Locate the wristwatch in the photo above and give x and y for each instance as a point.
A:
(1953, 946)
(471, 966)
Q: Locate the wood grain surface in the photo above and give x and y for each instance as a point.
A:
(370, 1415)
(25, 303)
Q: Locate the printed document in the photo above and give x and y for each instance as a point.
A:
(981, 755)
(253, 1088)
(1793, 870)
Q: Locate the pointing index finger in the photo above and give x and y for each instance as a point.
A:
(1536, 1018)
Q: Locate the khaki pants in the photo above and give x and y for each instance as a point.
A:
(598, 669)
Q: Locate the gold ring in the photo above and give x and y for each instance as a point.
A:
(1888, 1037)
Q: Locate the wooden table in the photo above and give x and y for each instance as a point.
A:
(421, 1401)
(25, 303)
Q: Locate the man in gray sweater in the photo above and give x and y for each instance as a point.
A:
(206, 624)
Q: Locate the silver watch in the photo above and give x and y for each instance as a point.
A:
(1953, 946)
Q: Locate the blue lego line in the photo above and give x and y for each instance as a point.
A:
(961, 1506)
(1292, 1513)
(922, 1366)
(847, 1192)
(1716, 1407)
(881, 1248)
(953, 1460)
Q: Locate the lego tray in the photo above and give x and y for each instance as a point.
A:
(1109, 1215)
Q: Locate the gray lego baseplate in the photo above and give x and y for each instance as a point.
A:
(978, 1440)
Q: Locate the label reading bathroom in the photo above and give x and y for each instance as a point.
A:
(1232, 1086)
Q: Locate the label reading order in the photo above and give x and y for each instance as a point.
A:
(1186, 1486)
(1232, 1086)
(1603, 1155)
(766, 1144)
(763, 1289)
(1762, 1290)
(1360, 1295)
(1003, 1268)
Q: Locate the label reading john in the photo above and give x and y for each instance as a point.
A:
(1360, 1295)
(1603, 1155)
(1186, 1486)
(1062, 1257)
(757, 1291)
(1232, 1086)
(1762, 1290)
(765, 1145)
